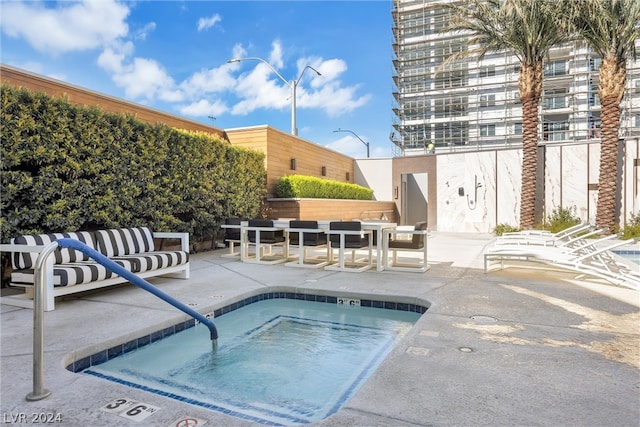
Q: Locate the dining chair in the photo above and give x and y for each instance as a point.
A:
(312, 238)
(264, 236)
(417, 244)
(345, 235)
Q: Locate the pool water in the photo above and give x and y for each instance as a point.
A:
(279, 361)
(632, 255)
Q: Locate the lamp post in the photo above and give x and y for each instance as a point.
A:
(356, 135)
(293, 84)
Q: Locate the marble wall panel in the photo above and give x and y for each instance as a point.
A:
(570, 170)
(508, 182)
(451, 176)
(574, 180)
(631, 182)
(593, 170)
(552, 178)
(467, 196)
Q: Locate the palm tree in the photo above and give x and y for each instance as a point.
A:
(611, 28)
(528, 29)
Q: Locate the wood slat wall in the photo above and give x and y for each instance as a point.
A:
(37, 83)
(345, 210)
(280, 148)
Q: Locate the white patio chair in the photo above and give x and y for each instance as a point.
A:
(349, 235)
(417, 244)
(307, 235)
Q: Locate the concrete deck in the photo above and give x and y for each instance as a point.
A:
(513, 347)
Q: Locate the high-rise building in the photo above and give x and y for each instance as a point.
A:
(475, 104)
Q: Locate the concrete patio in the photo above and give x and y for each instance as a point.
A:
(513, 347)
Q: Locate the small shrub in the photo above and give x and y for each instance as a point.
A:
(505, 228)
(561, 219)
(302, 186)
(631, 229)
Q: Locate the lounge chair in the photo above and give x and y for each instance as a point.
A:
(417, 244)
(589, 258)
(307, 235)
(345, 235)
(544, 237)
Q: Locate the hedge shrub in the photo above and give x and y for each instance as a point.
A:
(66, 167)
(302, 186)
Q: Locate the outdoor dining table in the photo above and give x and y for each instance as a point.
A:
(377, 227)
(283, 224)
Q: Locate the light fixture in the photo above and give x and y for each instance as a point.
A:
(293, 84)
(356, 135)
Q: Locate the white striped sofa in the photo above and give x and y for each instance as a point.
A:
(72, 271)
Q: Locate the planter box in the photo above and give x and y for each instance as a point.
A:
(338, 209)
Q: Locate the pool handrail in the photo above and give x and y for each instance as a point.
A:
(39, 392)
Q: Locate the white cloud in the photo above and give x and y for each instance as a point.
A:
(143, 32)
(68, 27)
(112, 58)
(275, 57)
(262, 88)
(204, 108)
(145, 78)
(238, 52)
(206, 23)
(209, 81)
(333, 99)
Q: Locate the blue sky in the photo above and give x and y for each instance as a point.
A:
(172, 56)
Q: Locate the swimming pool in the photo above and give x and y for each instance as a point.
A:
(632, 255)
(279, 360)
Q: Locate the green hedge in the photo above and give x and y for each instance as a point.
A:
(302, 186)
(66, 167)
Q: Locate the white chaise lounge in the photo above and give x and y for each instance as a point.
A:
(589, 258)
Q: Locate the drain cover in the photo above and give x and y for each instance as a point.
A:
(483, 319)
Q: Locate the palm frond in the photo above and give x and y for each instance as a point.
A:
(526, 28)
(611, 27)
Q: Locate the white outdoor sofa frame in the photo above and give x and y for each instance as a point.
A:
(25, 300)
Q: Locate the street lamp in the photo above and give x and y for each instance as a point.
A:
(293, 84)
(347, 130)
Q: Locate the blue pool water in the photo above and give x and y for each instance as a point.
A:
(278, 361)
(632, 255)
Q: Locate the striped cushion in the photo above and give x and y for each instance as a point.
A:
(71, 274)
(23, 260)
(124, 241)
(154, 261)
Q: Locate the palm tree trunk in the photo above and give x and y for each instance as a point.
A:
(607, 186)
(529, 162)
(613, 74)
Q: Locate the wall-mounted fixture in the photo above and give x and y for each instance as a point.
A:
(324, 171)
(348, 176)
(473, 203)
(395, 192)
(293, 164)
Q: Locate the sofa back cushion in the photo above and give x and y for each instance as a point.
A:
(22, 260)
(124, 241)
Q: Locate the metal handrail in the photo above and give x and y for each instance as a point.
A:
(39, 392)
